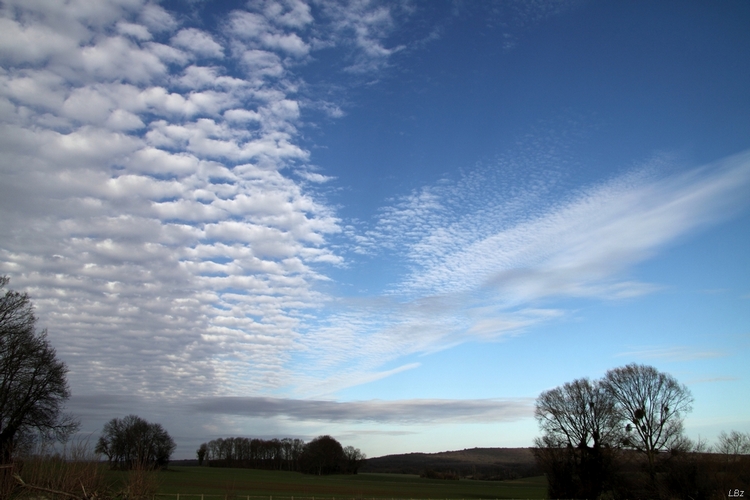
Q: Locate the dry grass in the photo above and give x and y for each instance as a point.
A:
(73, 473)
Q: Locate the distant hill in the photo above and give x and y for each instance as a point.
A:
(476, 463)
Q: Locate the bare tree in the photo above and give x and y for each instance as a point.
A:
(354, 459)
(652, 404)
(579, 425)
(33, 385)
(733, 445)
(580, 414)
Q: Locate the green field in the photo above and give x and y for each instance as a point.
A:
(247, 482)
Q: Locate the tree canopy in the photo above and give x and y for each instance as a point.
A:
(33, 384)
(651, 404)
(132, 442)
(323, 455)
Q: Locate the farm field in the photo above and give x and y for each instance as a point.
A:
(244, 482)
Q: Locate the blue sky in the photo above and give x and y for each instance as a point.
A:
(392, 222)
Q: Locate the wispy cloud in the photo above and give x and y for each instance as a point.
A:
(490, 260)
(679, 353)
(712, 380)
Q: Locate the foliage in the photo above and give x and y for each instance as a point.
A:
(323, 455)
(354, 459)
(201, 453)
(133, 443)
(274, 454)
(33, 386)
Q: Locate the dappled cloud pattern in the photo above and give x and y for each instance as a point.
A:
(159, 206)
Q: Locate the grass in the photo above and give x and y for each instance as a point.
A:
(244, 482)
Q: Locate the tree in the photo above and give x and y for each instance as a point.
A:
(579, 425)
(652, 405)
(354, 459)
(34, 388)
(580, 414)
(322, 455)
(202, 451)
(733, 445)
(132, 442)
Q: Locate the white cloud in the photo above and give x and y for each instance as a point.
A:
(290, 43)
(137, 31)
(117, 59)
(365, 25)
(678, 353)
(261, 63)
(19, 44)
(198, 42)
(156, 18)
(291, 13)
(124, 120)
(489, 272)
(146, 208)
(120, 159)
(242, 115)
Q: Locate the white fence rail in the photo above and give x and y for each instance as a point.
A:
(196, 496)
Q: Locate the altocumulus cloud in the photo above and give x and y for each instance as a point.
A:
(148, 206)
(143, 200)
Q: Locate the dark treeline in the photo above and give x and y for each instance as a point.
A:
(322, 455)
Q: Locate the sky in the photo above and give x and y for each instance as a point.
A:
(396, 223)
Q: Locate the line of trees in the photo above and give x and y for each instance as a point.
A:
(322, 455)
(622, 437)
(273, 454)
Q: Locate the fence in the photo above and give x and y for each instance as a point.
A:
(195, 496)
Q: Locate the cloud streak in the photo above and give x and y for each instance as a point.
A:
(496, 271)
(401, 412)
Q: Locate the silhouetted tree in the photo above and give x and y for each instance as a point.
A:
(33, 385)
(733, 445)
(323, 455)
(580, 426)
(354, 459)
(132, 442)
(652, 405)
(201, 453)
